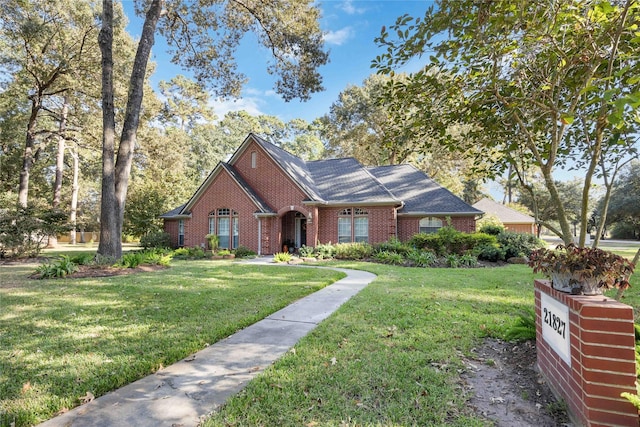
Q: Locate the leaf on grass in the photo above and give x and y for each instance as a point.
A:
(26, 386)
(312, 424)
(89, 397)
(190, 358)
(333, 361)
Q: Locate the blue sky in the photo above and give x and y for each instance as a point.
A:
(350, 27)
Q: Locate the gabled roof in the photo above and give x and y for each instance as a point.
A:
(293, 166)
(185, 210)
(504, 213)
(342, 182)
(420, 194)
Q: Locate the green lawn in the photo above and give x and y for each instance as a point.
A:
(62, 338)
(392, 355)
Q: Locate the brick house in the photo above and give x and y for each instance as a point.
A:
(264, 198)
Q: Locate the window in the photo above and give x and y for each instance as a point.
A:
(254, 160)
(430, 225)
(181, 232)
(224, 223)
(353, 225)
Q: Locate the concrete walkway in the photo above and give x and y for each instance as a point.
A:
(183, 393)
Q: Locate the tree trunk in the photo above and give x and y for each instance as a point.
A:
(134, 103)
(110, 242)
(565, 228)
(28, 155)
(74, 194)
(57, 184)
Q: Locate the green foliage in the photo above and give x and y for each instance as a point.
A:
(306, 251)
(492, 253)
(468, 260)
(422, 258)
(214, 241)
(325, 251)
(147, 256)
(452, 260)
(195, 252)
(223, 252)
(59, 268)
(492, 229)
(394, 245)
(525, 327)
(82, 259)
(156, 239)
(448, 240)
(518, 244)
(387, 257)
(356, 251)
(282, 257)
(244, 252)
(24, 230)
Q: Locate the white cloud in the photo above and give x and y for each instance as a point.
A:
(338, 37)
(350, 9)
(250, 104)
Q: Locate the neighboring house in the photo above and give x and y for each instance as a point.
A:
(512, 220)
(264, 198)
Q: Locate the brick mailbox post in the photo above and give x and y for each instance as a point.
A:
(586, 352)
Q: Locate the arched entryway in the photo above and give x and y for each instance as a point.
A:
(293, 230)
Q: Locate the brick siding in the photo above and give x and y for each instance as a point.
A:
(602, 355)
(285, 198)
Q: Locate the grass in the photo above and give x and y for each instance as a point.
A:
(392, 355)
(62, 338)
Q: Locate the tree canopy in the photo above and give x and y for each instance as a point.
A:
(537, 85)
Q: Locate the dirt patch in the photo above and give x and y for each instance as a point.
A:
(507, 388)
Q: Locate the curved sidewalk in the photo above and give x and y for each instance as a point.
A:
(183, 393)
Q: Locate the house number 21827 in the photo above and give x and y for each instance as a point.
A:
(555, 322)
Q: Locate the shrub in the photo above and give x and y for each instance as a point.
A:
(492, 229)
(518, 244)
(393, 245)
(387, 257)
(452, 260)
(195, 252)
(155, 239)
(131, 260)
(324, 251)
(24, 231)
(450, 241)
(356, 250)
(244, 252)
(60, 268)
(421, 258)
(282, 257)
(468, 260)
(306, 251)
(82, 259)
(492, 253)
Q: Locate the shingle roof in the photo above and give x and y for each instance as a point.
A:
(347, 181)
(173, 212)
(420, 194)
(294, 166)
(504, 213)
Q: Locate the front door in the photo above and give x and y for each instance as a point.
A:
(301, 232)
